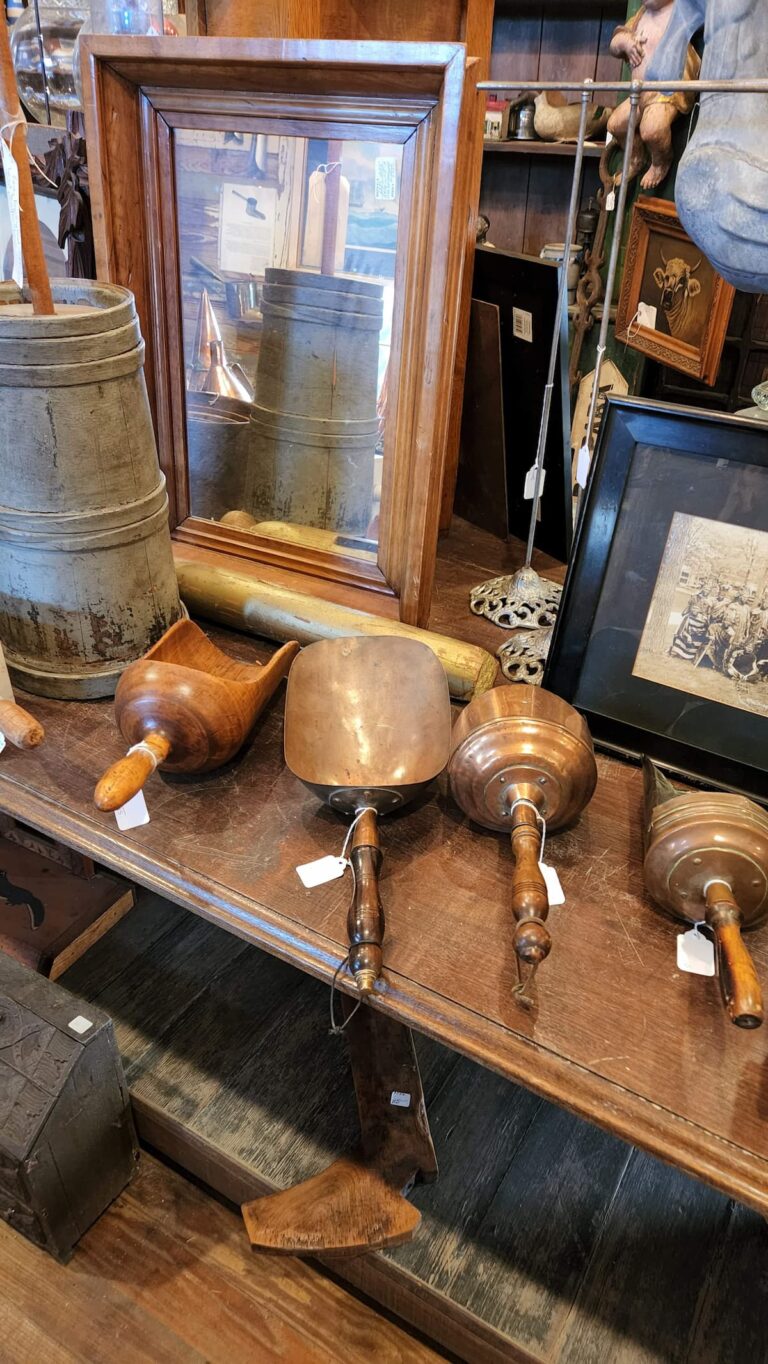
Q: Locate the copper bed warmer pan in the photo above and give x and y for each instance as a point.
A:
(521, 755)
(706, 861)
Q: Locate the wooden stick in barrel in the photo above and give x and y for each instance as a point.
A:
(16, 136)
(331, 213)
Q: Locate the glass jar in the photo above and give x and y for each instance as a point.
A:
(60, 25)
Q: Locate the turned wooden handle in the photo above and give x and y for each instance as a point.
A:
(31, 239)
(741, 989)
(19, 727)
(530, 901)
(365, 921)
(125, 778)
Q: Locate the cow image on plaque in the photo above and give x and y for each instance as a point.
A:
(673, 307)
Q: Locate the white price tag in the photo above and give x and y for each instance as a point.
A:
(583, 461)
(529, 487)
(695, 953)
(323, 869)
(80, 1024)
(522, 324)
(11, 173)
(133, 813)
(384, 178)
(555, 892)
(646, 316)
(608, 139)
(400, 1100)
(610, 201)
(2, 741)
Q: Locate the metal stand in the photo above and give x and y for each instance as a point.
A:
(524, 599)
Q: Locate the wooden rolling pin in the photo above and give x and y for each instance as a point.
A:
(236, 599)
(16, 724)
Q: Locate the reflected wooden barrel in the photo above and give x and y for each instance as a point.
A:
(87, 582)
(218, 453)
(315, 427)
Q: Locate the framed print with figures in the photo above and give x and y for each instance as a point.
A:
(662, 635)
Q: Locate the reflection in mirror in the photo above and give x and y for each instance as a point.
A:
(287, 251)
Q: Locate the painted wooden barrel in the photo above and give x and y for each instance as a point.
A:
(87, 582)
(218, 453)
(314, 420)
(311, 475)
(319, 350)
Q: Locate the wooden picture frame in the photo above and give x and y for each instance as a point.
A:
(661, 639)
(691, 302)
(137, 92)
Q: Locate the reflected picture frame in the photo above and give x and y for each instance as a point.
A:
(137, 91)
(661, 639)
(666, 274)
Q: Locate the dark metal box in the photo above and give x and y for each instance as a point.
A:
(67, 1141)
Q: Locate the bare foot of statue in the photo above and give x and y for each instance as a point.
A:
(655, 174)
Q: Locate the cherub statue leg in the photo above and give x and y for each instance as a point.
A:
(656, 132)
(617, 127)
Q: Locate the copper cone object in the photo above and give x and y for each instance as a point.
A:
(206, 331)
(221, 378)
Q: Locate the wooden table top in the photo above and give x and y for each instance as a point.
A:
(617, 1034)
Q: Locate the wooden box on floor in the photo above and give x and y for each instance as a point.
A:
(67, 1141)
(54, 904)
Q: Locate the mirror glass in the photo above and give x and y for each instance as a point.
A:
(287, 249)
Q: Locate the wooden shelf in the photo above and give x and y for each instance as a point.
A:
(543, 1239)
(617, 1035)
(563, 149)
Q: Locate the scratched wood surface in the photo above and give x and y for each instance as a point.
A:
(559, 1242)
(616, 1034)
(166, 1276)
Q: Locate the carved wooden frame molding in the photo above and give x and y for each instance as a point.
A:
(136, 92)
(702, 362)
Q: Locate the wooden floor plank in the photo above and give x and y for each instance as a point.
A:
(162, 983)
(166, 1276)
(25, 1341)
(477, 1122)
(522, 1268)
(82, 1306)
(640, 1298)
(732, 1327)
(149, 922)
(240, 1018)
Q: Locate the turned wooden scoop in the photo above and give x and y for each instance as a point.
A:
(520, 755)
(186, 707)
(16, 724)
(706, 860)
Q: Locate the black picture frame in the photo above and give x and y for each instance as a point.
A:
(663, 477)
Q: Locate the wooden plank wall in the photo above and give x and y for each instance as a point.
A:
(526, 197)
